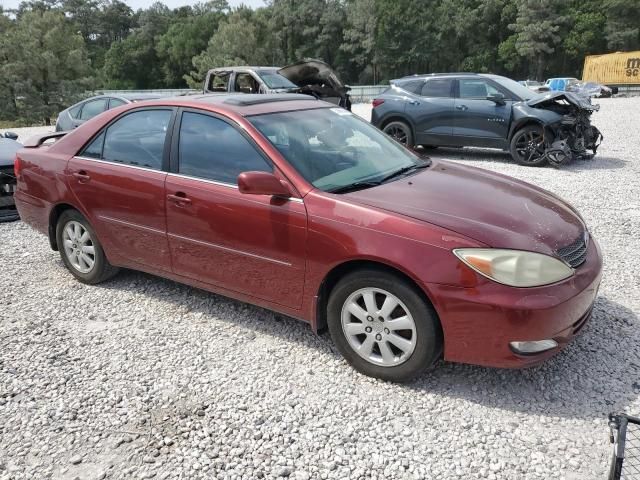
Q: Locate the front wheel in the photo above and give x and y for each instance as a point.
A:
(383, 326)
(80, 249)
(400, 132)
(527, 146)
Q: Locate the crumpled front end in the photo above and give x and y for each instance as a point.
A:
(571, 136)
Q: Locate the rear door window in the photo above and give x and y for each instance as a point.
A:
(412, 86)
(136, 139)
(245, 83)
(219, 82)
(212, 149)
(93, 108)
(438, 88)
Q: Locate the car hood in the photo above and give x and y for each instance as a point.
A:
(312, 72)
(569, 97)
(494, 209)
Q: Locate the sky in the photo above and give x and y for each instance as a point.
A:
(136, 4)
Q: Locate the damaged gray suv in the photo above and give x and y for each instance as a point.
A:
(482, 110)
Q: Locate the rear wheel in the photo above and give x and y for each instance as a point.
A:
(382, 325)
(80, 249)
(400, 132)
(527, 146)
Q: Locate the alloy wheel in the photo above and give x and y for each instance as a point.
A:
(398, 133)
(78, 246)
(530, 146)
(378, 327)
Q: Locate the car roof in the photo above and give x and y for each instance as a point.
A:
(128, 97)
(242, 67)
(245, 104)
(135, 96)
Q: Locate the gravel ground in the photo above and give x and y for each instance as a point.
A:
(145, 378)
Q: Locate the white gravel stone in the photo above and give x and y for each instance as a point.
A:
(144, 369)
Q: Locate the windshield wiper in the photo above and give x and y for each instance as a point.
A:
(403, 170)
(352, 187)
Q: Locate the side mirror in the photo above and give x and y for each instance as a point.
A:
(497, 98)
(262, 183)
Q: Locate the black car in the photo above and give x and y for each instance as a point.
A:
(8, 148)
(482, 110)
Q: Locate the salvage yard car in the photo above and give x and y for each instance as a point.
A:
(8, 147)
(82, 111)
(482, 110)
(310, 77)
(534, 86)
(301, 207)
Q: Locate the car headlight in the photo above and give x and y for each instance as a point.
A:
(515, 268)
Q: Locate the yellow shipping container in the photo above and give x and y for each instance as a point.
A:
(621, 68)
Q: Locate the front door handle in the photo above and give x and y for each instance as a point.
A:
(180, 199)
(414, 102)
(464, 108)
(82, 176)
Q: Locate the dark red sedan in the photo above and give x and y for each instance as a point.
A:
(300, 207)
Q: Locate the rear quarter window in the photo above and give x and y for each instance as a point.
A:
(412, 86)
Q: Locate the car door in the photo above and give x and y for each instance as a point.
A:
(253, 244)
(479, 121)
(118, 179)
(432, 111)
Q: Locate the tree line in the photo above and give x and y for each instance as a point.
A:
(54, 51)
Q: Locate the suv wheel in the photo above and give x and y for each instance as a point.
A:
(527, 146)
(400, 132)
(80, 249)
(382, 325)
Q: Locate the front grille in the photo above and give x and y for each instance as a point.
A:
(576, 253)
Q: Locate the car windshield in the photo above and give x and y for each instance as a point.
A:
(334, 149)
(514, 87)
(274, 80)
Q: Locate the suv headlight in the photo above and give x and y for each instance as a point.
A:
(516, 268)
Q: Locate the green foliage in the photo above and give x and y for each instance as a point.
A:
(46, 64)
(52, 51)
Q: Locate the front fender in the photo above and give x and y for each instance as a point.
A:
(524, 114)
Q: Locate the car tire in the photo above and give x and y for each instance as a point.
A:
(401, 132)
(420, 342)
(80, 249)
(527, 146)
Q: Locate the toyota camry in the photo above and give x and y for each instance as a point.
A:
(292, 204)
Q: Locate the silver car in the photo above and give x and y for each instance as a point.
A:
(79, 113)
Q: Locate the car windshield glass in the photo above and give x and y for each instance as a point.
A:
(275, 80)
(334, 149)
(514, 87)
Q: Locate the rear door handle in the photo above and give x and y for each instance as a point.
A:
(82, 176)
(179, 199)
(464, 108)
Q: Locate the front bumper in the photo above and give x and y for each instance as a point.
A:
(480, 322)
